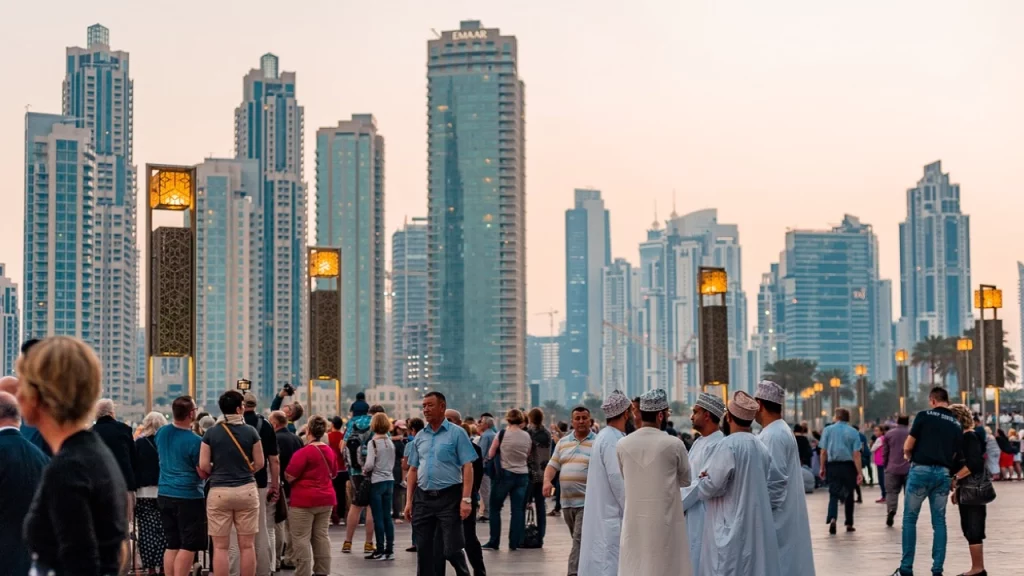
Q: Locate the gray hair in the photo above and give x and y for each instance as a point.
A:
(104, 407)
(151, 423)
(487, 421)
(9, 410)
(206, 423)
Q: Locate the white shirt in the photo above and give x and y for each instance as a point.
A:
(701, 451)
(789, 505)
(602, 510)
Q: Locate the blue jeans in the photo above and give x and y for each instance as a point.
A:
(381, 494)
(931, 482)
(514, 486)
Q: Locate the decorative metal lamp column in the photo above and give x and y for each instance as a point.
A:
(819, 391)
(902, 379)
(990, 334)
(171, 265)
(714, 329)
(963, 365)
(325, 337)
(835, 383)
(862, 390)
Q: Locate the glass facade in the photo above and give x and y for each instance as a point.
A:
(10, 329)
(621, 354)
(476, 219)
(408, 291)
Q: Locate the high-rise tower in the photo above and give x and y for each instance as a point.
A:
(409, 294)
(10, 323)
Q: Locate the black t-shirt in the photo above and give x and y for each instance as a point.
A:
(269, 440)
(229, 466)
(939, 439)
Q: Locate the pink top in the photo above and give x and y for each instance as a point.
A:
(879, 453)
(313, 473)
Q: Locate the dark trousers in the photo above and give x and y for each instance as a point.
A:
(435, 514)
(842, 483)
(514, 487)
(558, 492)
(474, 552)
(535, 494)
(340, 497)
(881, 478)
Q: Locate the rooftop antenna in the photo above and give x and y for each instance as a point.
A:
(436, 33)
(655, 225)
(673, 215)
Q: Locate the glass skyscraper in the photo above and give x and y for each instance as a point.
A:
(98, 96)
(350, 215)
(621, 354)
(587, 251)
(408, 293)
(269, 129)
(824, 301)
(228, 277)
(10, 329)
(476, 240)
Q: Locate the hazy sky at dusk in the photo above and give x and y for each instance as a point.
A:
(782, 114)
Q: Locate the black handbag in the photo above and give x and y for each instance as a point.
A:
(976, 490)
(362, 496)
(531, 536)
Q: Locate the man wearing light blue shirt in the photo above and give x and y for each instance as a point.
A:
(841, 467)
(440, 473)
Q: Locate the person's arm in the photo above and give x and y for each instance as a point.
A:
(554, 465)
(494, 448)
(205, 462)
(615, 483)
(778, 479)
(276, 403)
(258, 460)
(410, 491)
(908, 447)
(823, 458)
(295, 466)
(885, 449)
(371, 458)
(467, 490)
(857, 465)
(68, 506)
(715, 479)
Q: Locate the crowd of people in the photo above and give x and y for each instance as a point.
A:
(249, 494)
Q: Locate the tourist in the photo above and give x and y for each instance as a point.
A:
(441, 497)
(288, 444)
(992, 455)
(415, 427)
(968, 482)
(10, 385)
(896, 465)
(21, 469)
(120, 440)
(336, 440)
(77, 523)
(1005, 455)
(380, 465)
(603, 509)
(705, 417)
(357, 436)
(398, 440)
(485, 428)
(571, 461)
(654, 466)
(935, 450)
(474, 552)
(878, 456)
(785, 482)
(309, 472)
(180, 492)
(540, 454)
(840, 467)
(268, 483)
(230, 455)
(739, 532)
(150, 531)
(510, 450)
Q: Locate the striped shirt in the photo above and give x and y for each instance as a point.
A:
(572, 460)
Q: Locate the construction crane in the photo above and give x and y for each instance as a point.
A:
(681, 358)
(551, 317)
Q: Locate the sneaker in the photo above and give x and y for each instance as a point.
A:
(369, 547)
(387, 557)
(346, 548)
(832, 528)
(374, 556)
(889, 518)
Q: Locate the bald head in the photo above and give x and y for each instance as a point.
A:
(453, 416)
(9, 384)
(10, 415)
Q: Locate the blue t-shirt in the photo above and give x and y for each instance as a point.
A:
(179, 456)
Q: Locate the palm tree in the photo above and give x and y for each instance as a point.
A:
(592, 403)
(793, 374)
(1010, 366)
(935, 352)
(554, 410)
(845, 390)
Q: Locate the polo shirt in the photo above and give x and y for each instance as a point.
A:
(939, 439)
(439, 456)
(840, 441)
(571, 459)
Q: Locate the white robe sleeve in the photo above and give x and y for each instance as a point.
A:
(778, 477)
(613, 468)
(683, 471)
(718, 474)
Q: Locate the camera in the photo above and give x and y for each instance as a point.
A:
(289, 389)
(243, 384)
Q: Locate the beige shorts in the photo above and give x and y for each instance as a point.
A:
(238, 506)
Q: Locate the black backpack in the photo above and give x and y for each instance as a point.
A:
(356, 445)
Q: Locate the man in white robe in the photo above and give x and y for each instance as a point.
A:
(654, 467)
(606, 496)
(739, 533)
(785, 482)
(706, 417)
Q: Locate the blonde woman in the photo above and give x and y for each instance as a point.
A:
(972, 516)
(379, 469)
(77, 522)
(147, 476)
(309, 474)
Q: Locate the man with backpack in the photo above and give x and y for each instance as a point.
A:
(357, 436)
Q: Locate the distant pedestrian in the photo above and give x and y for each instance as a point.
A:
(21, 470)
(603, 509)
(968, 494)
(380, 466)
(288, 444)
(511, 449)
(180, 493)
(706, 418)
(540, 454)
(571, 461)
(309, 472)
(357, 438)
(896, 465)
(878, 456)
(840, 448)
(485, 428)
(149, 529)
(120, 440)
(336, 440)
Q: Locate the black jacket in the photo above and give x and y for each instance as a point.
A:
(21, 469)
(147, 462)
(118, 438)
(287, 445)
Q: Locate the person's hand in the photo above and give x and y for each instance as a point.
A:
(273, 492)
(408, 512)
(202, 473)
(821, 474)
(953, 498)
(465, 509)
(283, 393)
(860, 479)
(703, 474)
(548, 489)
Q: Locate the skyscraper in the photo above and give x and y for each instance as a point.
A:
(350, 215)
(228, 277)
(98, 96)
(10, 330)
(408, 290)
(60, 202)
(621, 354)
(824, 301)
(476, 240)
(587, 251)
(935, 261)
(268, 129)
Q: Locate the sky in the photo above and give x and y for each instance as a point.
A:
(782, 114)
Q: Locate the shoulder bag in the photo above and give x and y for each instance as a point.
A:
(531, 536)
(492, 466)
(976, 490)
(248, 462)
(362, 495)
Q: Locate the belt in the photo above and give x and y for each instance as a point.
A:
(442, 491)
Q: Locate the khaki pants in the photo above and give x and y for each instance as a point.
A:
(574, 520)
(309, 538)
(263, 543)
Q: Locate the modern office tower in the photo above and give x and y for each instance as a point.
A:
(10, 331)
(268, 129)
(228, 277)
(408, 288)
(668, 316)
(476, 238)
(415, 348)
(587, 251)
(824, 301)
(98, 96)
(60, 174)
(543, 361)
(621, 353)
(350, 215)
(935, 261)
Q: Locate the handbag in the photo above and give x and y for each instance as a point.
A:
(362, 496)
(531, 536)
(977, 490)
(492, 467)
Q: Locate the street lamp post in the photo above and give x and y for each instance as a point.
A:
(326, 340)
(835, 383)
(714, 330)
(862, 391)
(902, 376)
(965, 345)
(990, 338)
(819, 391)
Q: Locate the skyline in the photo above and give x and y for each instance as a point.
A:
(942, 98)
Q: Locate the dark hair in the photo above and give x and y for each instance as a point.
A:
(798, 428)
(416, 424)
(715, 418)
(316, 427)
(487, 415)
(536, 416)
(515, 416)
(376, 409)
(182, 407)
(771, 407)
(297, 411)
(201, 415)
(28, 344)
(580, 409)
(741, 422)
(843, 414)
(904, 419)
(438, 395)
(336, 422)
(563, 427)
(361, 396)
(939, 394)
(230, 402)
(670, 424)
(649, 417)
(635, 400)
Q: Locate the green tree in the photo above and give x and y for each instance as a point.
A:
(554, 411)
(846, 390)
(793, 374)
(883, 403)
(593, 403)
(934, 352)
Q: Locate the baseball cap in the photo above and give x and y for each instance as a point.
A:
(249, 399)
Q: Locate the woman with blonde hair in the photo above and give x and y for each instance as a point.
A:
(968, 484)
(379, 468)
(309, 474)
(77, 521)
(148, 525)
(512, 450)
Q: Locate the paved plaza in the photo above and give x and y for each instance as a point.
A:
(873, 550)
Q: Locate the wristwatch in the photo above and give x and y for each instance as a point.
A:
(467, 500)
